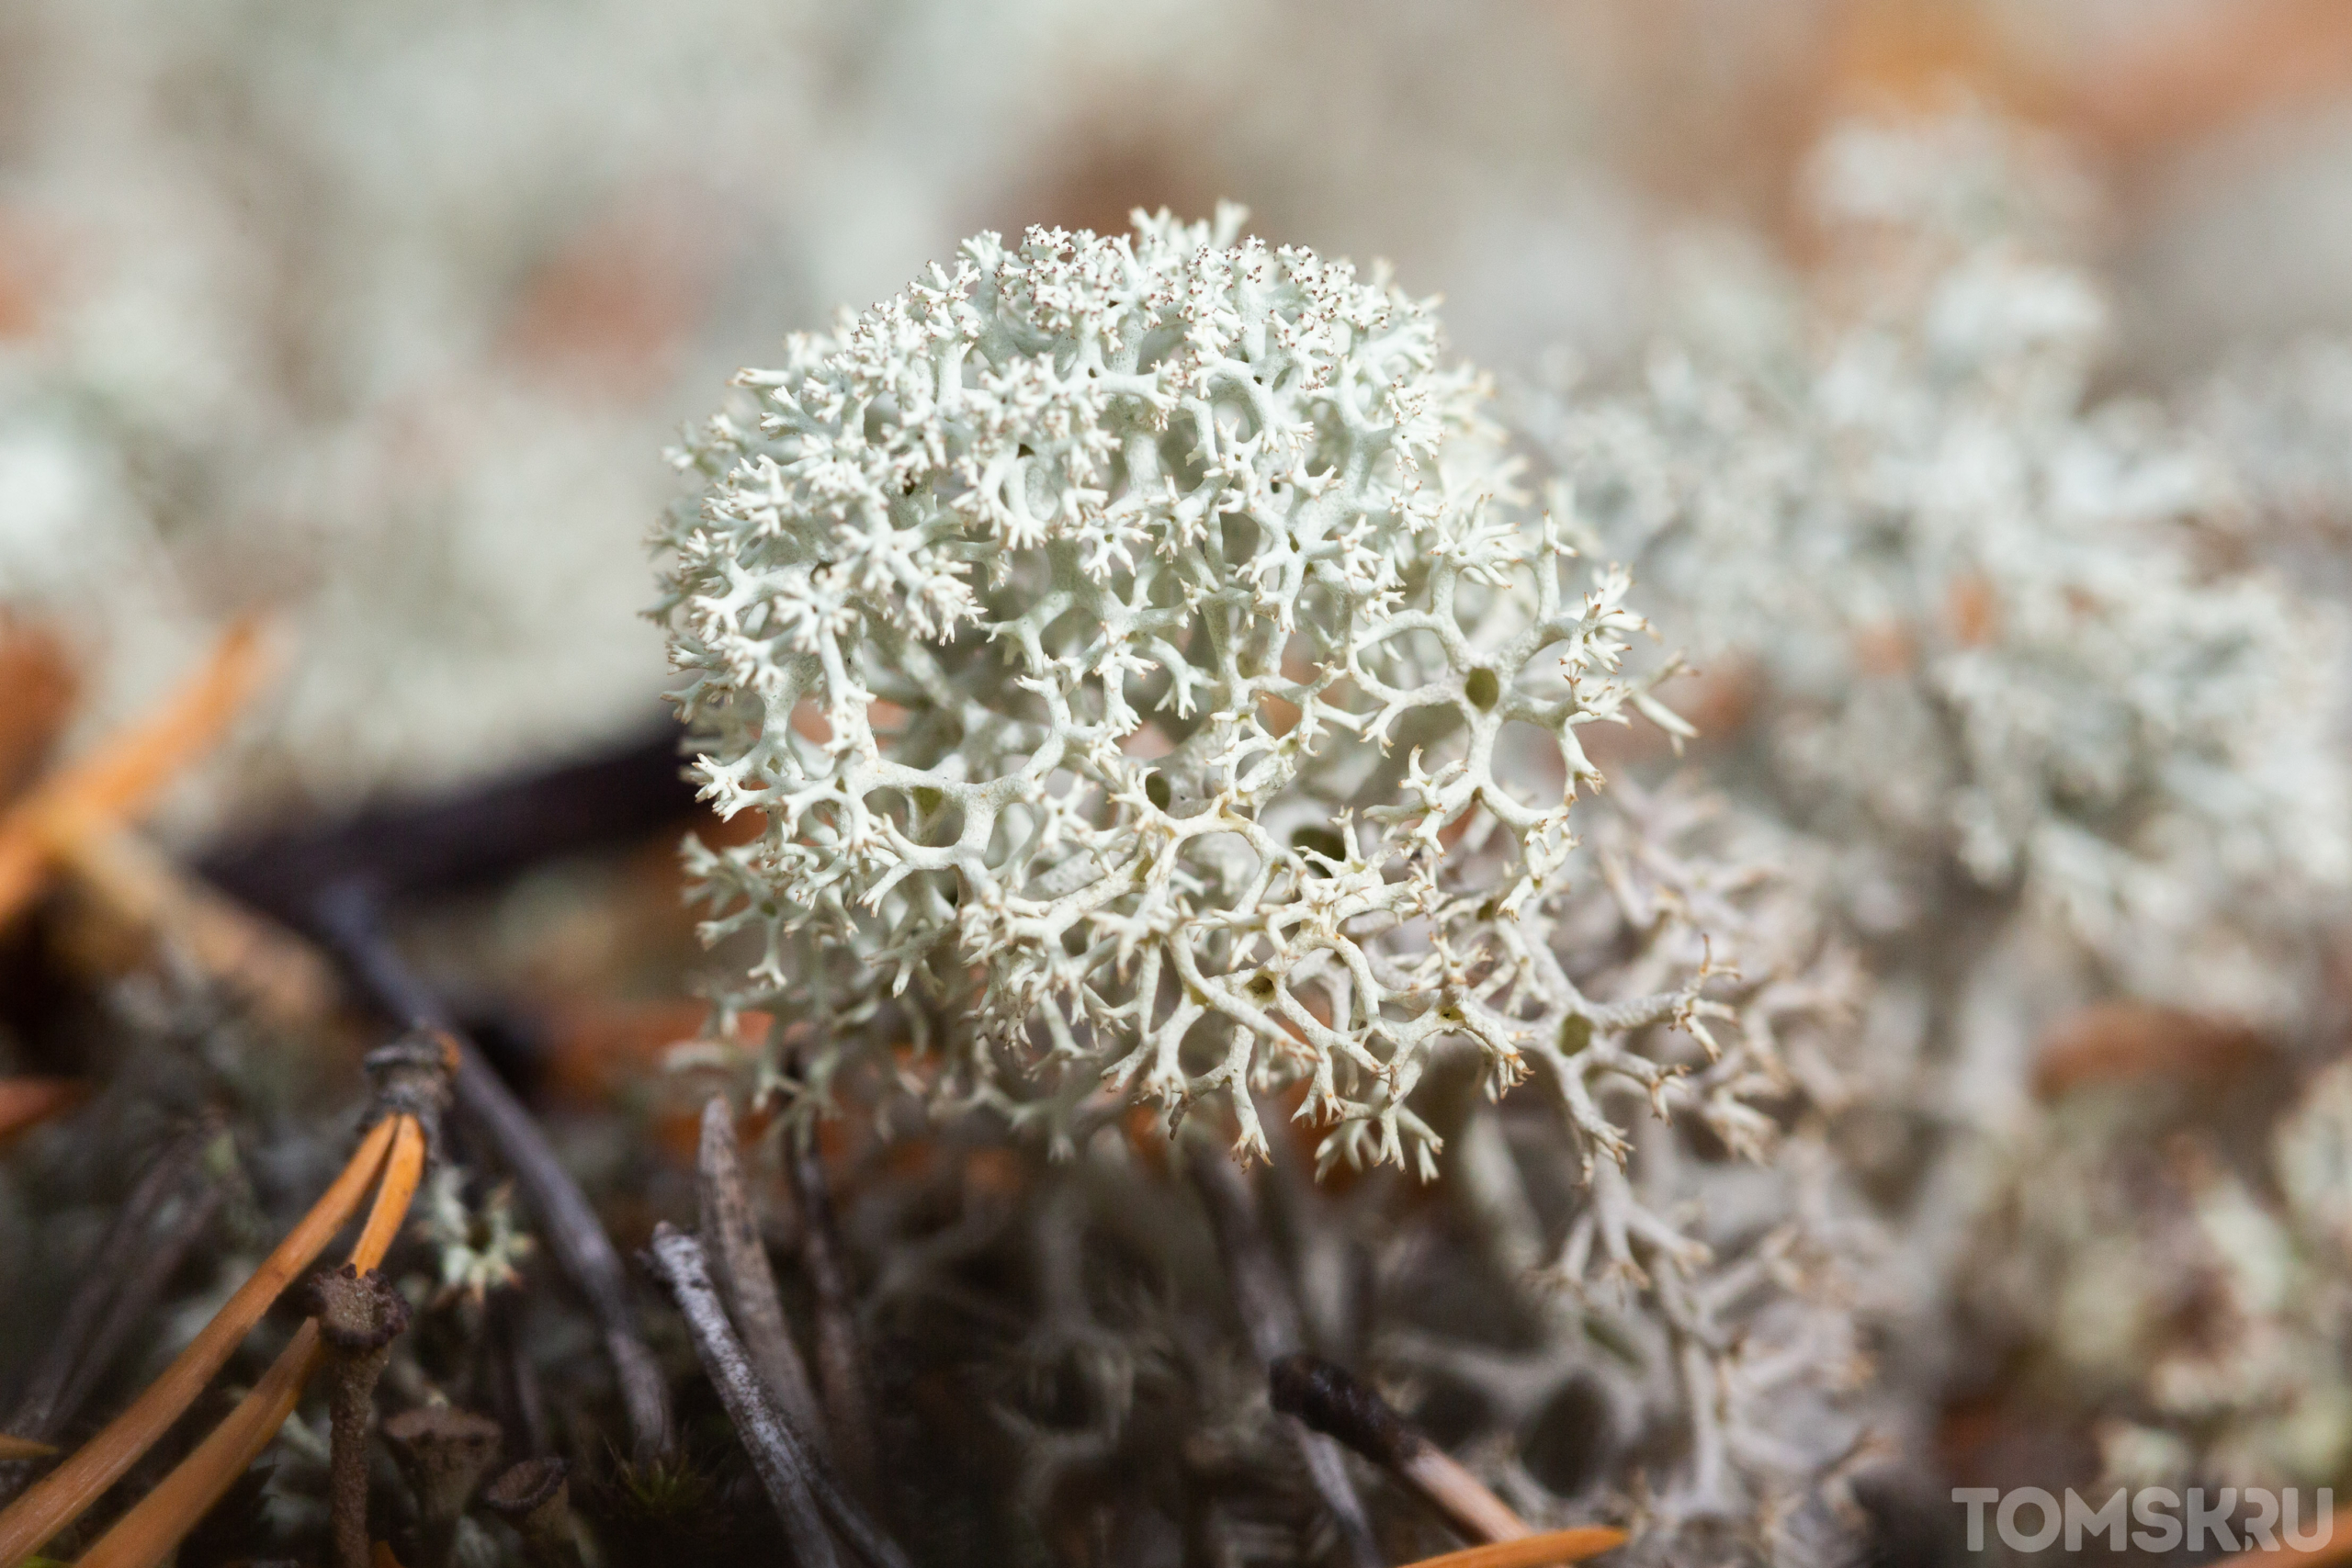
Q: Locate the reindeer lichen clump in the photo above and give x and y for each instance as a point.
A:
(1998, 634)
(1141, 633)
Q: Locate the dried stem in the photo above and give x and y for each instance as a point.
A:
(156, 1524)
(850, 1521)
(1263, 1296)
(62, 1495)
(567, 1223)
(128, 769)
(777, 1454)
(730, 1235)
(358, 1316)
(121, 1281)
(140, 892)
(521, 1405)
(481, 834)
(841, 1367)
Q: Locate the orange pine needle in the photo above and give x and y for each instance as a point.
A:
(138, 894)
(60, 1497)
(403, 1171)
(1532, 1551)
(125, 773)
(40, 680)
(22, 1448)
(24, 1101)
(156, 1524)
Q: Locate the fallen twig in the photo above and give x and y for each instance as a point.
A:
(574, 1234)
(783, 1465)
(1263, 1299)
(124, 1276)
(730, 1235)
(855, 1528)
(485, 833)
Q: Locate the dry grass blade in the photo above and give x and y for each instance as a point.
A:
(60, 1496)
(154, 1527)
(1532, 1552)
(139, 898)
(128, 770)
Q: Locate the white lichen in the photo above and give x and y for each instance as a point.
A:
(1995, 628)
(1135, 647)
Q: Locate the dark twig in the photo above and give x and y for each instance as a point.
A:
(570, 1225)
(139, 1253)
(840, 1368)
(471, 838)
(783, 1465)
(730, 1235)
(850, 1522)
(522, 1406)
(1263, 1296)
(1334, 1401)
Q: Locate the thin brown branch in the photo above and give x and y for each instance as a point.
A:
(730, 1235)
(782, 1463)
(567, 1221)
(121, 1281)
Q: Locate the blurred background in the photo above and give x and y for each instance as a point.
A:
(376, 318)
(371, 322)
